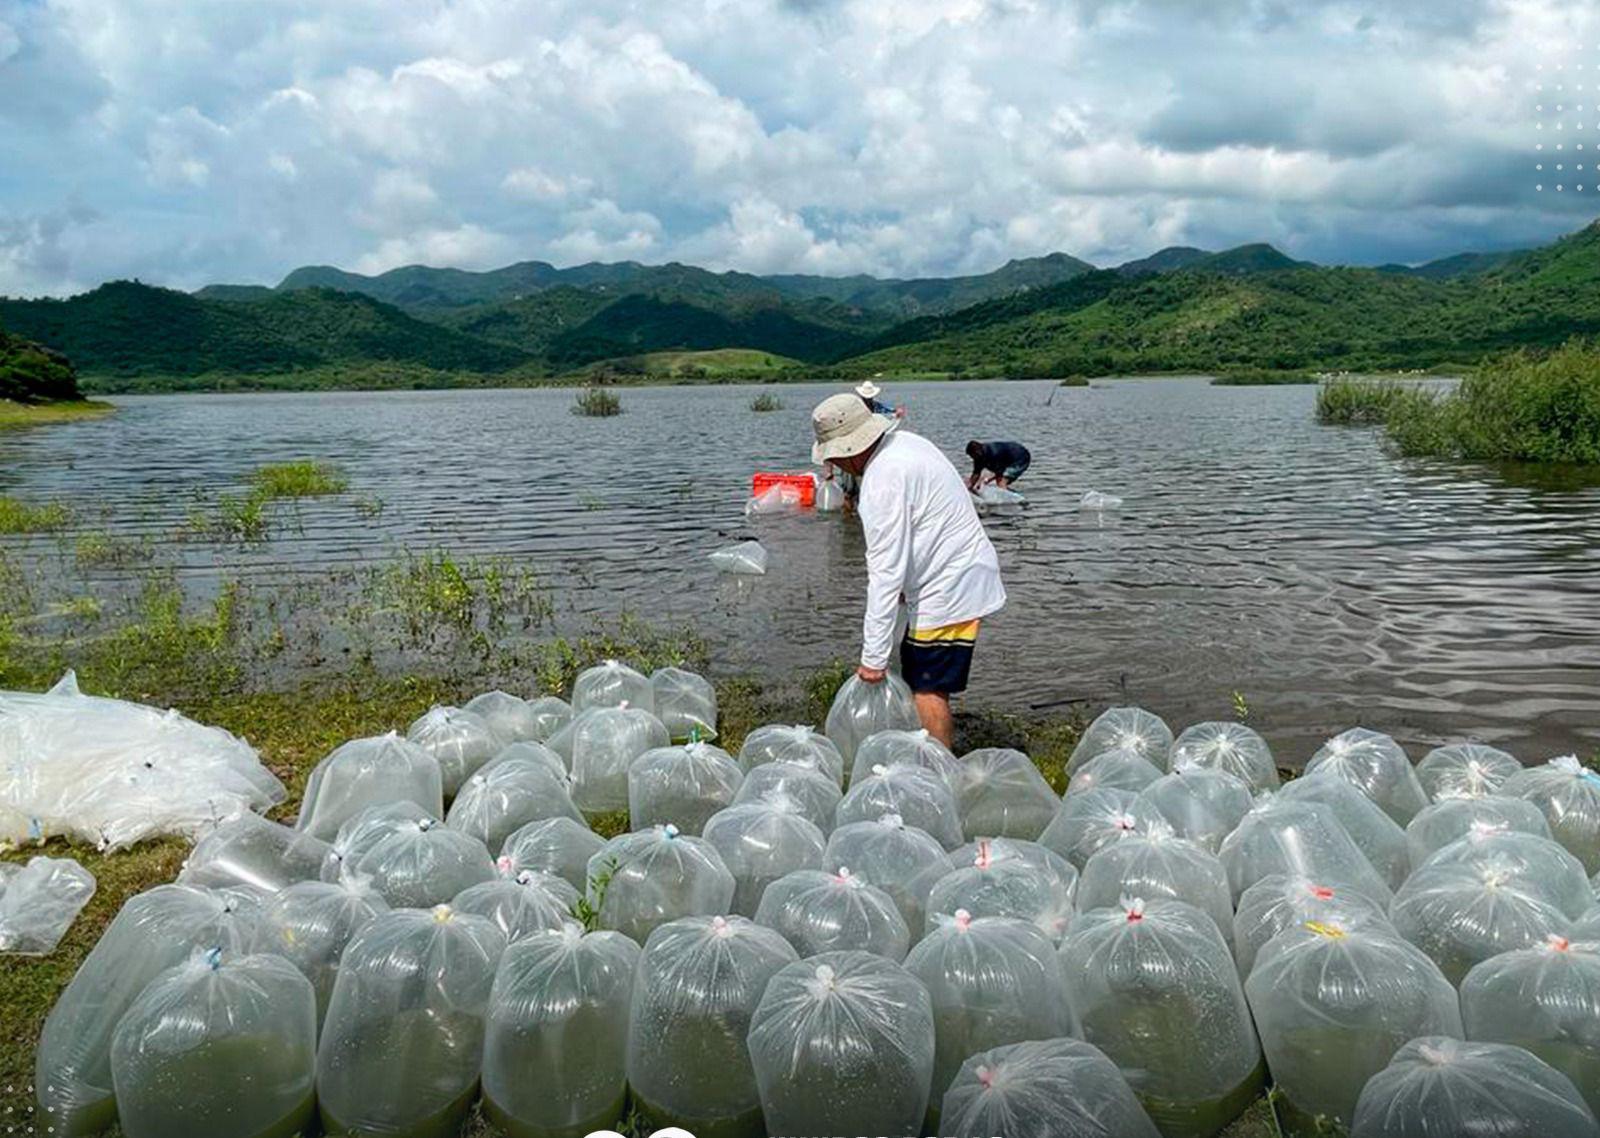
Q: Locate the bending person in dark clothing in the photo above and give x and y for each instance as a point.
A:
(1004, 462)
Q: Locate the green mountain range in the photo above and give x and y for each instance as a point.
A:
(1179, 309)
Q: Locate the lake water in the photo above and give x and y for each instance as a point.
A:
(1256, 551)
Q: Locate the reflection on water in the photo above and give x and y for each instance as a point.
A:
(1256, 551)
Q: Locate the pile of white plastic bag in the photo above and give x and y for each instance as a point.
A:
(114, 773)
(935, 944)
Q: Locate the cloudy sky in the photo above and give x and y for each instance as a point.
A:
(190, 141)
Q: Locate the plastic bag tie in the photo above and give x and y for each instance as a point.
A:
(986, 1078)
(1558, 943)
(1322, 893)
(669, 831)
(963, 920)
(985, 857)
(443, 914)
(1327, 930)
(721, 927)
(1134, 907)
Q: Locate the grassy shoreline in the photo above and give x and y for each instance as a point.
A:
(14, 415)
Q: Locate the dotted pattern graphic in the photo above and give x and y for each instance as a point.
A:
(17, 1115)
(1567, 123)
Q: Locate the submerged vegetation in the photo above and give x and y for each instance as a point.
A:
(766, 401)
(17, 516)
(303, 479)
(1352, 401)
(236, 517)
(597, 402)
(14, 414)
(1524, 407)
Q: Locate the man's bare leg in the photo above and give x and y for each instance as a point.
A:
(933, 708)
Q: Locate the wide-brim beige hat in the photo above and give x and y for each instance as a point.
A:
(869, 390)
(844, 427)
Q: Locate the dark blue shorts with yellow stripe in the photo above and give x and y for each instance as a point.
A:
(938, 659)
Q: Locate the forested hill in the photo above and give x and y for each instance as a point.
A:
(129, 329)
(1296, 317)
(30, 373)
(1179, 309)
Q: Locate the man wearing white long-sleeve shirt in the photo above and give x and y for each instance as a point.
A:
(925, 548)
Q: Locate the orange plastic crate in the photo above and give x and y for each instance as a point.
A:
(806, 483)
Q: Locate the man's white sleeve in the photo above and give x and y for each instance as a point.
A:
(886, 523)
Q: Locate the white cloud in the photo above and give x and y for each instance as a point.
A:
(219, 141)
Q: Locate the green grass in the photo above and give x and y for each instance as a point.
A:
(597, 403)
(304, 478)
(766, 401)
(1262, 377)
(1075, 381)
(99, 549)
(17, 516)
(717, 363)
(13, 414)
(1525, 407)
(1357, 402)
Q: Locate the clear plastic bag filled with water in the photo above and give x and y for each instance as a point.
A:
(808, 790)
(555, 1051)
(612, 683)
(761, 842)
(698, 984)
(1159, 865)
(1155, 989)
(557, 846)
(992, 981)
(1280, 902)
(1568, 793)
(1231, 748)
(523, 785)
(1128, 728)
(1437, 1087)
(1375, 765)
(1117, 769)
(1375, 834)
(510, 716)
(842, 1043)
(643, 880)
(895, 748)
(154, 931)
(521, 905)
(1053, 1088)
(1202, 804)
(1088, 822)
(686, 703)
(369, 772)
(310, 923)
(1000, 878)
(919, 796)
(819, 911)
(1545, 998)
(1333, 1003)
(1451, 819)
(402, 1043)
(605, 742)
(861, 710)
(251, 851)
(830, 496)
(683, 785)
(419, 864)
(1524, 860)
(901, 860)
(547, 714)
(1301, 839)
(1001, 794)
(220, 1046)
(1465, 770)
(777, 743)
(459, 741)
